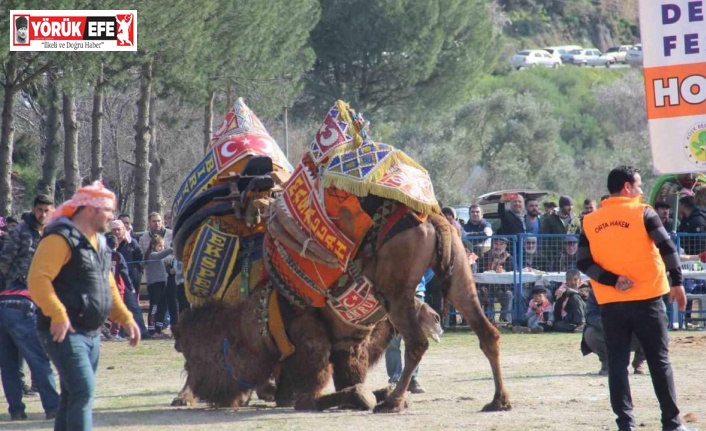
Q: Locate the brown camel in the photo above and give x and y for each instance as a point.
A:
(395, 271)
(326, 349)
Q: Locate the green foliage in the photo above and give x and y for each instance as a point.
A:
(381, 54)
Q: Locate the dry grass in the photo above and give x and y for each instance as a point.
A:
(551, 386)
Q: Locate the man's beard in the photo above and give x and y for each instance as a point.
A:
(533, 213)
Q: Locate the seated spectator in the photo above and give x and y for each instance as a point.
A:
(567, 258)
(593, 339)
(569, 308)
(479, 229)
(498, 260)
(532, 260)
(540, 313)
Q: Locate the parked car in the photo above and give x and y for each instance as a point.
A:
(558, 51)
(534, 57)
(619, 53)
(589, 57)
(634, 56)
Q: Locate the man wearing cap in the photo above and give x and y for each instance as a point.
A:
(18, 323)
(21, 26)
(627, 253)
(564, 221)
(71, 282)
(567, 259)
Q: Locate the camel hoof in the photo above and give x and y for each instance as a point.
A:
(382, 394)
(497, 406)
(267, 392)
(361, 399)
(180, 402)
(391, 406)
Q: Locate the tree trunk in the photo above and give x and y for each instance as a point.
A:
(142, 138)
(118, 184)
(97, 129)
(72, 176)
(7, 136)
(208, 120)
(156, 201)
(52, 145)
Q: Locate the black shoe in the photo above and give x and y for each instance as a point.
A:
(50, 416)
(19, 416)
(29, 390)
(415, 387)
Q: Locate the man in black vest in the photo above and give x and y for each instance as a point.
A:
(71, 282)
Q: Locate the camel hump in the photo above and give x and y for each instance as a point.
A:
(444, 242)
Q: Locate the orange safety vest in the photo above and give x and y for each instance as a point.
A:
(620, 244)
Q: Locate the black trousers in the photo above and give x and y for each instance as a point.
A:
(647, 320)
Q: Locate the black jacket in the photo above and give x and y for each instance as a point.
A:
(132, 253)
(83, 284)
(510, 223)
(694, 223)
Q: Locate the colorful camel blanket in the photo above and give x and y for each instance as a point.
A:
(222, 257)
(321, 206)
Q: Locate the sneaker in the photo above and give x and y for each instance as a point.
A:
(117, 337)
(18, 416)
(415, 387)
(640, 368)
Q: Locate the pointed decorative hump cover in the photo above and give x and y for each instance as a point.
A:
(241, 135)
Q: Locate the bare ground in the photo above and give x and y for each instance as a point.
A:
(552, 387)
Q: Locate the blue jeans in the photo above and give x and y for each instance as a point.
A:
(393, 360)
(18, 336)
(76, 359)
(131, 303)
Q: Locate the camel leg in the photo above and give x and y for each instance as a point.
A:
(185, 397)
(350, 365)
(404, 316)
(463, 296)
(308, 370)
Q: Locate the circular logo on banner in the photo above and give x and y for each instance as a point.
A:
(695, 144)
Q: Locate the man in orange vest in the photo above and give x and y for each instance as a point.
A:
(627, 253)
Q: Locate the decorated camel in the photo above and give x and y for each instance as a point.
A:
(349, 237)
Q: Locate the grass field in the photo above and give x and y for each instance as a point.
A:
(552, 387)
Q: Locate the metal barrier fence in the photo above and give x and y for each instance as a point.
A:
(509, 267)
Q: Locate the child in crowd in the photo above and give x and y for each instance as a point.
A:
(156, 274)
(540, 313)
(570, 308)
(122, 279)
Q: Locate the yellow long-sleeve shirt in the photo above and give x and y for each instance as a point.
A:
(53, 252)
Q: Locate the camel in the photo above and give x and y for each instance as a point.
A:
(246, 358)
(325, 349)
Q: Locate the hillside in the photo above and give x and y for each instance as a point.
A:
(590, 23)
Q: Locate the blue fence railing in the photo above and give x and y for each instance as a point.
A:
(509, 267)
